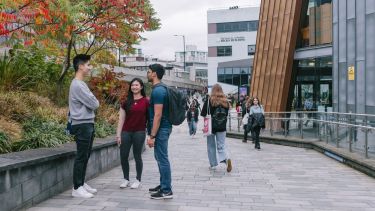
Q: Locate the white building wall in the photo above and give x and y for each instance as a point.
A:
(239, 46)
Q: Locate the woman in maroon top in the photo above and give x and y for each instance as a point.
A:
(131, 130)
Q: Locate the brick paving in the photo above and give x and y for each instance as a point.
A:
(275, 178)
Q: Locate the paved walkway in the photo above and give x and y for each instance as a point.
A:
(275, 178)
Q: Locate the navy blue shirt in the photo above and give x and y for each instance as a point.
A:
(159, 95)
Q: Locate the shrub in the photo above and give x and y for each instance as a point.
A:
(5, 143)
(38, 133)
(104, 129)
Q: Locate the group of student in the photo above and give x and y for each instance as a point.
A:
(139, 117)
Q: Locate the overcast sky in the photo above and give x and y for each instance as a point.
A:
(187, 17)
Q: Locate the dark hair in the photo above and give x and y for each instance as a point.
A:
(258, 101)
(159, 69)
(130, 99)
(80, 59)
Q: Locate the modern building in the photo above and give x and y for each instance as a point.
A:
(316, 50)
(231, 46)
(195, 63)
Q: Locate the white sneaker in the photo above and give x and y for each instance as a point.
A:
(81, 193)
(136, 185)
(124, 184)
(212, 167)
(89, 189)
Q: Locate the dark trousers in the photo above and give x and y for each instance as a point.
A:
(137, 140)
(255, 135)
(245, 132)
(84, 138)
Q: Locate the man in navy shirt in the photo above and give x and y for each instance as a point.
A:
(160, 130)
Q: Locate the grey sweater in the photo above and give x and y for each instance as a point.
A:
(82, 103)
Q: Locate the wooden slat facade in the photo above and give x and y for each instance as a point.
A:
(276, 41)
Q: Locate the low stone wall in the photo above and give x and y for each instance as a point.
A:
(29, 177)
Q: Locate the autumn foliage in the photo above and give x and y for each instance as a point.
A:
(68, 27)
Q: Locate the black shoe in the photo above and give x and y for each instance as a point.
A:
(244, 141)
(155, 189)
(161, 195)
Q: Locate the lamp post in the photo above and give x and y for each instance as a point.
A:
(183, 39)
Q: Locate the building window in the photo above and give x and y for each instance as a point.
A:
(224, 51)
(250, 50)
(236, 26)
(316, 23)
(234, 75)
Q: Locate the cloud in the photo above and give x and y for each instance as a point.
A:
(187, 17)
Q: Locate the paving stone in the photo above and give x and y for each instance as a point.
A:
(275, 178)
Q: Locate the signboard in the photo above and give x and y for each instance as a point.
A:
(231, 39)
(243, 92)
(351, 73)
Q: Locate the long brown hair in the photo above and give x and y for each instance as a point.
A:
(218, 97)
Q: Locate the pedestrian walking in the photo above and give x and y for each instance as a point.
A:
(257, 121)
(245, 116)
(192, 119)
(131, 130)
(161, 129)
(82, 106)
(218, 107)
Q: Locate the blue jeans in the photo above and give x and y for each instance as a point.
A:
(216, 142)
(192, 127)
(161, 157)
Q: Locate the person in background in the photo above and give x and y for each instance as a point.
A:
(246, 109)
(192, 119)
(217, 105)
(257, 123)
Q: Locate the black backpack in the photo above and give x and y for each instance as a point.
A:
(177, 102)
(219, 118)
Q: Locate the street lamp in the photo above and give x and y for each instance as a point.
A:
(183, 39)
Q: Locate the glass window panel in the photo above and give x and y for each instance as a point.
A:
(221, 78)
(220, 71)
(228, 79)
(237, 79)
(236, 70)
(244, 70)
(228, 70)
(244, 79)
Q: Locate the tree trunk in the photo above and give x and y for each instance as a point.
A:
(64, 70)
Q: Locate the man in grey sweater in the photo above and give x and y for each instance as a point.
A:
(82, 104)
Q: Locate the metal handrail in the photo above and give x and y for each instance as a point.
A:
(336, 121)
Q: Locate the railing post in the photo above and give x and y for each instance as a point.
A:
(350, 134)
(238, 122)
(337, 131)
(301, 126)
(271, 126)
(366, 139)
(325, 125)
(284, 128)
